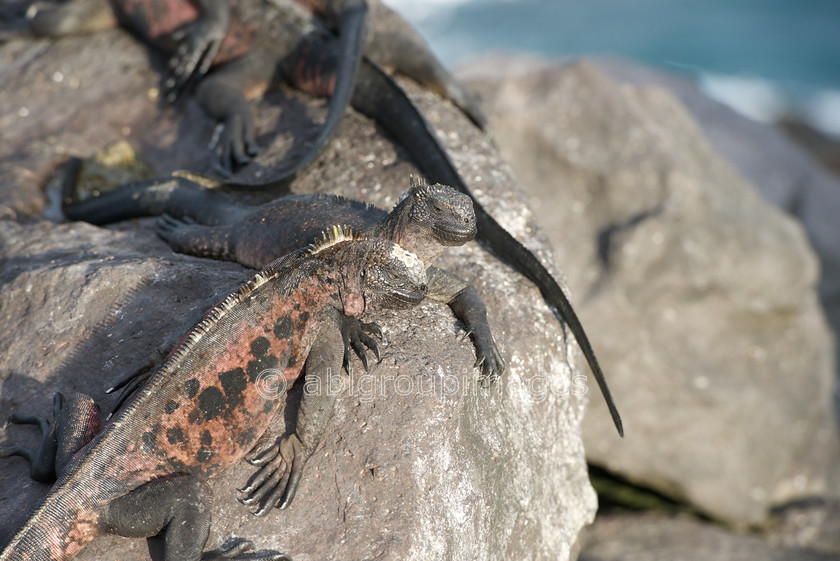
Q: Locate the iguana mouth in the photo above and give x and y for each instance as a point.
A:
(454, 234)
(405, 298)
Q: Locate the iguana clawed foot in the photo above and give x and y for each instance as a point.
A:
(198, 44)
(242, 549)
(357, 335)
(234, 144)
(42, 460)
(275, 484)
(488, 358)
(167, 225)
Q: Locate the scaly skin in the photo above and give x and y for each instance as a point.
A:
(429, 219)
(203, 410)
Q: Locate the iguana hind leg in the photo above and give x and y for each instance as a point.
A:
(181, 508)
(181, 194)
(396, 45)
(76, 422)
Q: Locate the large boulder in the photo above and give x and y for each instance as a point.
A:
(699, 297)
(784, 174)
(418, 462)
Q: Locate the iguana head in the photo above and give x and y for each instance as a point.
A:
(391, 277)
(375, 273)
(430, 218)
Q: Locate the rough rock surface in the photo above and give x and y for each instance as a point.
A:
(783, 173)
(418, 463)
(699, 297)
(654, 537)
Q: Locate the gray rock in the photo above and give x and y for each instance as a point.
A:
(655, 537)
(783, 173)
(699, 297)
(419, 463)
(811, 523)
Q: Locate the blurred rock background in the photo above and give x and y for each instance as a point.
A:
(682, 158)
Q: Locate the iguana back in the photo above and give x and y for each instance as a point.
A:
(205, 408)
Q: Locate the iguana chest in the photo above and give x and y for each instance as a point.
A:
(156, 20)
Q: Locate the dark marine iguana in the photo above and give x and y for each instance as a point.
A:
(254, 47)
(203, 410)
(427, 220)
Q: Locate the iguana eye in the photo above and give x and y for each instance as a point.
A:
(437, 208)
(394, 277)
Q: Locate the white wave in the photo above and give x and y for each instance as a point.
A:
(823, 112)
(757, 98)
(769, 102)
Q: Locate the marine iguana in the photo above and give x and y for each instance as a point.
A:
(203, 410)
(259, 45)
(426, 221)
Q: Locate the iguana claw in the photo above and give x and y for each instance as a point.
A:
(275, 484)
(198, 44)
(357, 335)
(234, 143)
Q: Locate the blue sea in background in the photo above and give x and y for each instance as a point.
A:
(766, 58)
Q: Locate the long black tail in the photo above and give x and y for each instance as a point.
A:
(320, 65)
(379, 97)
(181, 196)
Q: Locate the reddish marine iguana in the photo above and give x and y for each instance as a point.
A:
(259, 44)
(426, 221)
(202, 411)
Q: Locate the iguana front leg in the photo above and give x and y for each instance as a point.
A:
(281, 464)
(357, 335)
(468, 307)
(198, 44)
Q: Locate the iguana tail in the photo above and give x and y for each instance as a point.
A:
(327, 72)
(379, 97)
(181, 195)
(56, 530)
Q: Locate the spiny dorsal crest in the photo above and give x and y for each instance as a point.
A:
(216, 313)
(333, 236)
(416, 185)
